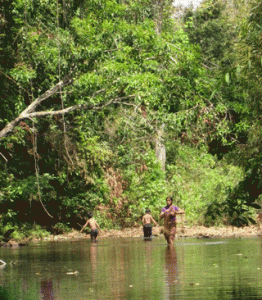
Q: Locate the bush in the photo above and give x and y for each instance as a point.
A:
(60, 228)
(26, 231)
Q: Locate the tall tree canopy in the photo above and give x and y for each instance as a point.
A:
(90, 89)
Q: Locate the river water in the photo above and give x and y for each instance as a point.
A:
(130, 268)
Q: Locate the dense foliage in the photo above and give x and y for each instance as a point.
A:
(134, 79)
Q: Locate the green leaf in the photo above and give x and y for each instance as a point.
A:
(213, 94)
(255, 205)
(252, 221)
(227, 78)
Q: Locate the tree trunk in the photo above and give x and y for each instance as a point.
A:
(160, 148)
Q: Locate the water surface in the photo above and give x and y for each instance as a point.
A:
(130, 268)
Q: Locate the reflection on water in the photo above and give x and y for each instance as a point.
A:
(93, 259)
(131, 268)
(171, 267)
(47, 292)
(171, 264)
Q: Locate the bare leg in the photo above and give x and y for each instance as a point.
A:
(166, 237)
(170, 240)
(172, 234)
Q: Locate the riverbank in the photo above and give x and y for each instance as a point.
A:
(137, 232)
(182, 232)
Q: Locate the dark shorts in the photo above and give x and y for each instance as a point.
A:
(147, 230)
(94, 233)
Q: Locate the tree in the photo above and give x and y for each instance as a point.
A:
(242, 88)
(126, 60)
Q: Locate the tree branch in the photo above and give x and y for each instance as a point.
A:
(6, 160)
(31, 108)
(47, 95)
(29, 112)
(77, 107)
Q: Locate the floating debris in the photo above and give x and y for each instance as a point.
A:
(72, 273)
(3, 264)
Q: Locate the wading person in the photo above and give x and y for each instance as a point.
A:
(92, 224)
(147, 221)
(169, 213)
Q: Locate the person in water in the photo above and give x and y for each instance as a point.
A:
(92, 224)
(147, 221)
(168, 213)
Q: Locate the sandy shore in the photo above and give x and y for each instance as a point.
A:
(193, 231)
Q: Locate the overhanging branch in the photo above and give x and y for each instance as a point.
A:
(31, 108)
(78, 107)
(29, 112)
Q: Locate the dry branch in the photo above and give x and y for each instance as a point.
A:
(31, 108)
(30, 113)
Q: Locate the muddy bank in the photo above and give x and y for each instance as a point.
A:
(194, 231)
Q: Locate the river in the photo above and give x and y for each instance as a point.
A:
(130, 268)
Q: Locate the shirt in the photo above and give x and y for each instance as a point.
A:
(175, 208)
